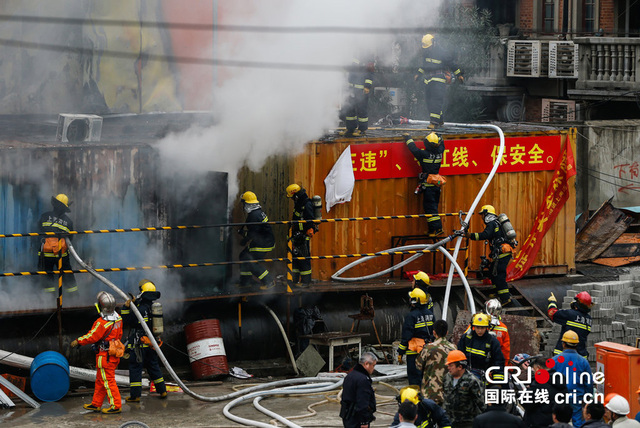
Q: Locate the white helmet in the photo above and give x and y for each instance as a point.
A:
(493, 307)
(619, 405)
(106, 303)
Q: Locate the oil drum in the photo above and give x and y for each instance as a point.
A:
(206, 350)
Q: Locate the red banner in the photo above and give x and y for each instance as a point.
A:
(472, 156)
(555, 198)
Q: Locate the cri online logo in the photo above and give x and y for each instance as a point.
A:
(543, 376)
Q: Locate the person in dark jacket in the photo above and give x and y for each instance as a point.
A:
(259, 240)
(141, 352)
(416, 331)
(301, 233)
(355, 111)
(429, 159)
(592, 414)
(577, 319)
(436, 67)
(358, 402)
(53, 250)
(561, 416)
(538, 413)
(430, 414)
(500, 254)
(481, 348)
(496, 417)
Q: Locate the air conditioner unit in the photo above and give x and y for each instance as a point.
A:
(78, 128)
(558, 110)
(563, 60)
(523, 58)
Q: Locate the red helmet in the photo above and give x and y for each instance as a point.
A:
(584, 298)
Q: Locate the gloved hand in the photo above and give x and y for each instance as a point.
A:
(310, 233)
(74, 344)
(127, 303)
(552, 298)
(467, 234)
(461, 79)
(399, 359)
(406, 137)
(366, 91)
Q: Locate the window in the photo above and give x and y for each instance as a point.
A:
(548, 16)
(589, 16)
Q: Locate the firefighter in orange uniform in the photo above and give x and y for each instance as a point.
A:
(105, 329)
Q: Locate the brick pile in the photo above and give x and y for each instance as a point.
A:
(615, 314)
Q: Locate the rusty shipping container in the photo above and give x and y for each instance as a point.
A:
(519, 194)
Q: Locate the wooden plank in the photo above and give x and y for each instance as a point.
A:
(616, 261)
(627, 245)
(603, 228)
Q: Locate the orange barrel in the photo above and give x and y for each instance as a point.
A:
(206, 349)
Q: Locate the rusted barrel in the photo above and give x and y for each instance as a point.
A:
(206, 349)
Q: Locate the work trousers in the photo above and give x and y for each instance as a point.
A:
(49, 282)
(150, 362)
(498, 272)
(435, 93)
(430, 202)
(302, 268)
(414, 376)
(253, 269)
(106, 381)
(356, 111)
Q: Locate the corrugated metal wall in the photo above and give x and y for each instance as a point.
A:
(517, 194)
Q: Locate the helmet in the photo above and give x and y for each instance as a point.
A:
(584, 298)
(493, 307)
(292, 189)
(455, 356)
(480, 320)
(418, 296)
(518, 358)
(421, 276)
(62, 198)
(434, 139)
(249, 198)
(570, 337)
(427, 40)
(487, 209)
(146, 285)
(61, 202)
(106, 303)
(409, 393)
(619, 405)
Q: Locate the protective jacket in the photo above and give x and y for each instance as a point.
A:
(497, 417)
(142, 354)
(482, 351)
(417, 324)
(429, 158)
(302, 210)
(358, 402)
(105, 329)
(360, 76)
(432, 364)
(430, 415)
(501, 333)
(436, 61)
(259, 236)
(53, 221)
(496, 237)
(577, 320)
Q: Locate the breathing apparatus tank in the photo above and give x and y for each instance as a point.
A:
(157, 324)
(317, 207)
(507, 228)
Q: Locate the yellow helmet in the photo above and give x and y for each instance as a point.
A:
(487, 209)
(421, 276)
(146, 285)
(570, 337)
(62, 198)
(434, 139)
(292, 189)
(427, 41)
(409, 393)
(480, 320)
(417, 295)
(249, 198)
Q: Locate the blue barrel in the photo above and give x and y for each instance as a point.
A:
(50, 376)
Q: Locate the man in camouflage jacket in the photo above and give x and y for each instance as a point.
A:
(463, 392)
(431, 362)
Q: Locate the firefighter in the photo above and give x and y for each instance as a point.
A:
(260, 240)
(430, 414)
(577, 319)
(301, 233)
(422, 281)
(500, 252)
(437, 68)
(141, 352)
(355, 111)
(53, 249)
(493, 308)
(481, 348)
(429, 181)
(416, 331)
(107, 328)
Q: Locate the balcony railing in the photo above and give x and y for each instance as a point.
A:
(608, 63)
